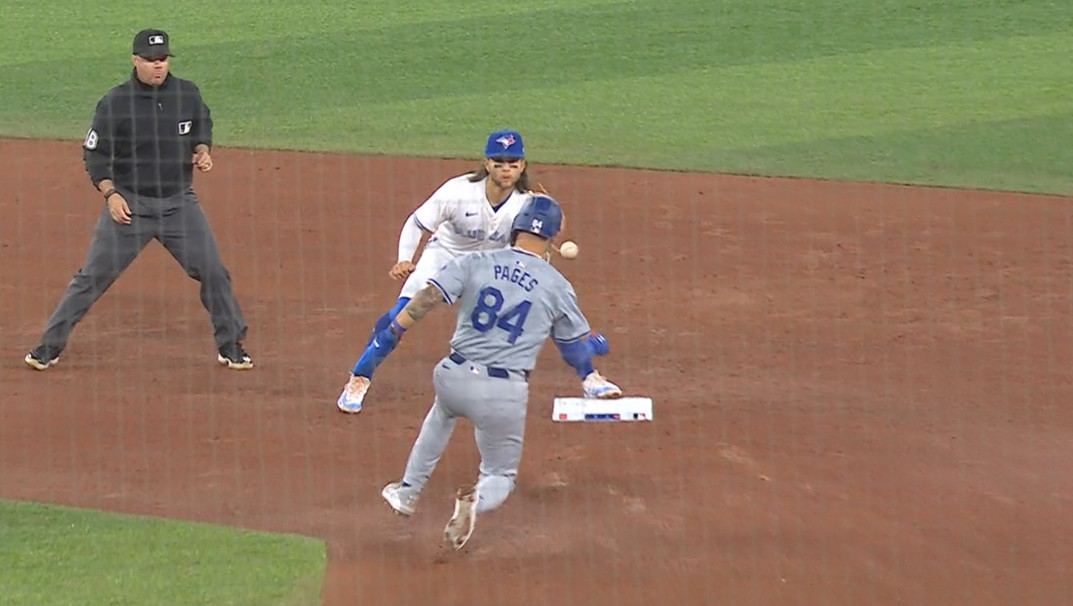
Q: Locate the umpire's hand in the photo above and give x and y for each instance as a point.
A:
(202, 159)
(117, 207)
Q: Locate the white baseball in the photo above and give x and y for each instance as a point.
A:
(568, 250)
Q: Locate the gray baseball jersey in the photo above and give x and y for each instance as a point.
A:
(509, 303)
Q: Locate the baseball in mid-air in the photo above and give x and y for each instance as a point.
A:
(568, 249)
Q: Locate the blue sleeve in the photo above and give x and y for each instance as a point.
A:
(577, 354)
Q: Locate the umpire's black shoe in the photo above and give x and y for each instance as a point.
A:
(43, 356)
(233, 356)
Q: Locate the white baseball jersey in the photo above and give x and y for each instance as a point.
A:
(461, 221)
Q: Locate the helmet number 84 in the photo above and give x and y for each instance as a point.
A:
(486, 314)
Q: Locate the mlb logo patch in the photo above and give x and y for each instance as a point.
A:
(185, 126)
(156, 40)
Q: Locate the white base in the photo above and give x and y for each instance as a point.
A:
(566, 410)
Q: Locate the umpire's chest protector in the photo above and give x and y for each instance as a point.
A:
(155, 127)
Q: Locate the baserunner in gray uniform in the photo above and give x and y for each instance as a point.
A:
(509, 302)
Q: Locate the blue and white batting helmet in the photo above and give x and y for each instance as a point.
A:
(541, 215)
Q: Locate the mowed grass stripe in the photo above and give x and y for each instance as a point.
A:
(333, 54)
(695, 85)
(105, 29)
(764, 106)
(1023, 154)
(728, 32)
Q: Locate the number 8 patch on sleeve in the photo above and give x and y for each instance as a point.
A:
(91, 140)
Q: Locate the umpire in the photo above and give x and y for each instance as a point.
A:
(148, 134)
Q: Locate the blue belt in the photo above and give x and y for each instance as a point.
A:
(496, 373)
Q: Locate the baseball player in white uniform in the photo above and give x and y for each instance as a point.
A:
(467, 213)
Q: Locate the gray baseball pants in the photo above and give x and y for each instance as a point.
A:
(495, 406)
(180, 225)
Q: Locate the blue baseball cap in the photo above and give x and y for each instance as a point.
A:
(505, 144)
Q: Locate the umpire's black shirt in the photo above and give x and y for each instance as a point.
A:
(143, 137)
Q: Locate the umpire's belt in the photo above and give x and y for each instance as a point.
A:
(497, 373)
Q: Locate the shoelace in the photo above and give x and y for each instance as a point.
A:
(354, 386)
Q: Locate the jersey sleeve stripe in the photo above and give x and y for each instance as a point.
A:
(443, 291)
(577, 338)
(421, 225)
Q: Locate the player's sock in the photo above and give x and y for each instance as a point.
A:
(386, 319)
(381, 324)
(365, 367)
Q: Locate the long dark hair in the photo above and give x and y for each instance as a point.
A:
(521, 186)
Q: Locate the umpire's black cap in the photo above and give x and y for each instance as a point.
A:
(152, 44)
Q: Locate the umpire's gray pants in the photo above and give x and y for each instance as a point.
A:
(181, 226)
(495, 406)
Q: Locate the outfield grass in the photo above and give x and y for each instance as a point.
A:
(892, 90)
(55, 556)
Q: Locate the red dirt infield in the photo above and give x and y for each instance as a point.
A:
(862, 392)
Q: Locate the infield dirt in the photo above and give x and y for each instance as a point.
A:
(862, 392)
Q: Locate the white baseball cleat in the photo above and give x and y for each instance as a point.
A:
(596, 386)
(401, 498)
(353, 394)
(460, 528)
(42, 357)
(234, 356)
